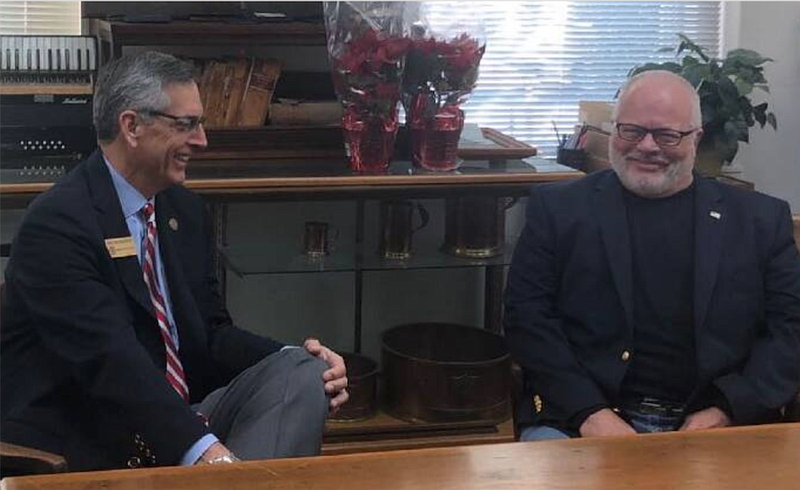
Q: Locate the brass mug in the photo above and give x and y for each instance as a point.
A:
(475, 226)
(316, 241)
(397, 227)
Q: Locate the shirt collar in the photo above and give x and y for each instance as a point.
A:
(130, 199)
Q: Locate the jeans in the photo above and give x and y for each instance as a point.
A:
(645, 423)
(641, 422)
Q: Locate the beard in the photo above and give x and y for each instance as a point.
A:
(675, 176)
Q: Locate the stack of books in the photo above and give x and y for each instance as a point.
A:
(237, 92)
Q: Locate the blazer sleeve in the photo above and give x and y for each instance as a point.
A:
(771, 376)
(533, 325)
(63, 276)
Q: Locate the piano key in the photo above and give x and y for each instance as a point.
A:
(13, 54)
(38, 55)
(77, 44)
(26, 54)
(47, 53)
(68, 54)
(3, 53)
(62, 54)
(80, 47)
(92, 42)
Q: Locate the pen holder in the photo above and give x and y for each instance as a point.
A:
(572, 158)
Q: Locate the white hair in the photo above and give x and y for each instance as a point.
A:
(694, 98)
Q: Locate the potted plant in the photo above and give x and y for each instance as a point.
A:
(725, 87)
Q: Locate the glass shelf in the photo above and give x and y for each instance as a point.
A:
(321, 168)
(244, 261)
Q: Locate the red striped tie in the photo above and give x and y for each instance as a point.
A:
(174, 373)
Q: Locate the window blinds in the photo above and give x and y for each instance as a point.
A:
(40, 18)
(542, 58)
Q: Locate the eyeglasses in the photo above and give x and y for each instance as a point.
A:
(181, 123)
(662, 136)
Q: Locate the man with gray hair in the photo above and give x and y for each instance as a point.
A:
(116, 348)
(647, 298)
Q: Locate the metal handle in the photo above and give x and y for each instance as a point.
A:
(424, 218)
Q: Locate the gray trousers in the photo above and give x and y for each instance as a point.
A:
(274, 409)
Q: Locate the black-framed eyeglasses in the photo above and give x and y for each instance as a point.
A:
(662, 136)
(181, 123)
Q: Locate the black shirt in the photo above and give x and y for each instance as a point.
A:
(663, 363)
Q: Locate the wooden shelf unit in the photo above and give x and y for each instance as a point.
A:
(385, 433)
(112, 36)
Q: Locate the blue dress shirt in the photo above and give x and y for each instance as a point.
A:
(132, 202)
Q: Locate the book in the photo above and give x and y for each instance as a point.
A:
(263, 76)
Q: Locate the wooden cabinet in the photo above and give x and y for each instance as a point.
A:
(225, 182)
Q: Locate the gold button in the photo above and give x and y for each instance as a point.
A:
(538, 405)
(625, 356)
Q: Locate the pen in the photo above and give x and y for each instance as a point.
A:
(559, 141)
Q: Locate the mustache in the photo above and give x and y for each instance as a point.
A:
(650, 158)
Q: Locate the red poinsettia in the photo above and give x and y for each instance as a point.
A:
(460, 53)
(443, 70)
(368, 72)
(371, 51)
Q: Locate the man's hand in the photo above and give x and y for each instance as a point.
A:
(605, 423)
(709, 418)
(335, 378)
(214, 451)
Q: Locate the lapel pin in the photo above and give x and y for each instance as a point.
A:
(715, 215)
(173, 224)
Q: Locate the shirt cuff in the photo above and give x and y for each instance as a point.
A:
(197, 449)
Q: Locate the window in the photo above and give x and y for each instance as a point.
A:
(542, 58)
(40, 18)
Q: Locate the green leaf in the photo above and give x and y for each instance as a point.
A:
(687, 43)
(747, 57)
(743, 86)
(729, 94)
(696, 73)
(743, 129)
(726, 146)
(760, 113)
(689, 61)
(668, 66)
(772, 121)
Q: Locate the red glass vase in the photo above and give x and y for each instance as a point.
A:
(369, 139)
(434, 139)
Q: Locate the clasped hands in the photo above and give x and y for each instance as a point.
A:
(335, 379)
(607, 423)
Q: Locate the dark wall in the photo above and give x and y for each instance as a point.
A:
(184, 10)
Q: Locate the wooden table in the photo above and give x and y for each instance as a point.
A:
(746, 458)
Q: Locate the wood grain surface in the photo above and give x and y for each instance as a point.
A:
(751, 458)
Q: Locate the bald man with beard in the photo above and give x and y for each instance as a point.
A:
(646, 298)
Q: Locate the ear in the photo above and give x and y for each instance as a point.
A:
(698, 135)
(130, 127)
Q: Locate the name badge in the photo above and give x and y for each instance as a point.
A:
(121, 247)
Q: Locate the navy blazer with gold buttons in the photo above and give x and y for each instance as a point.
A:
(81, 356)
(569, 298)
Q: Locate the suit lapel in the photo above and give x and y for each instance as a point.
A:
(168, 226)
(710, 221)
(112, 222)
(612, 218)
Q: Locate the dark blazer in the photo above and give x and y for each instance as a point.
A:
(82, 363)
(569, 299)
